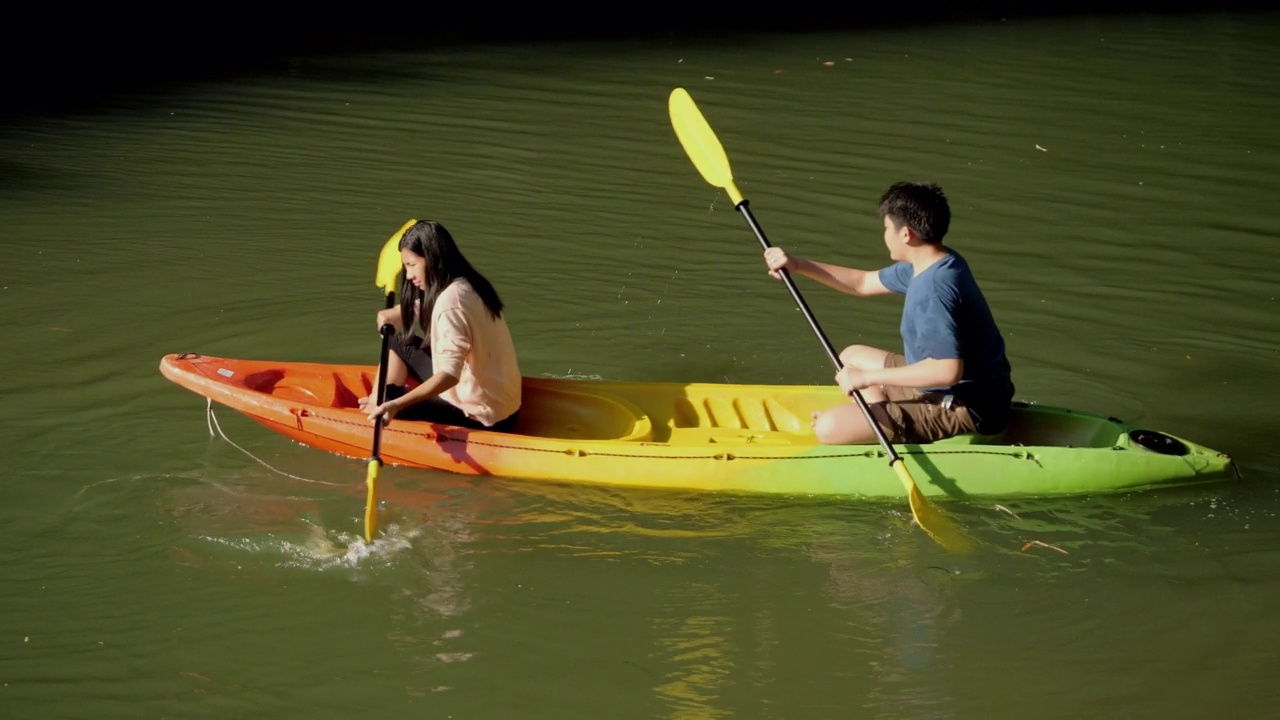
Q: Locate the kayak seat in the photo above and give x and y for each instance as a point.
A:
(310, 389)
(1035, 425)
(596, 415)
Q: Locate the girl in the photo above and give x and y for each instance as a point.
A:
(466, 367)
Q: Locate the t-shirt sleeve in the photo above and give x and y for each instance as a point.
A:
(897, 277)
(450, 341)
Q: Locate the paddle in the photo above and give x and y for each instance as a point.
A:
(388, 270)
(704, 149)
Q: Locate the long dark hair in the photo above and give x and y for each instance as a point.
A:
(445, 263)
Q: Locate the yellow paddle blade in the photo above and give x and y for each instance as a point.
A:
(943, 529)
(371, 503)
(700, 143)
(389, 260)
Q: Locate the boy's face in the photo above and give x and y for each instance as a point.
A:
(895, 239)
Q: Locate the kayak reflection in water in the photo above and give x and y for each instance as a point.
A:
(953, 377)
(464, 361)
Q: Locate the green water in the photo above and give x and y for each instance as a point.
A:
(1112, 181)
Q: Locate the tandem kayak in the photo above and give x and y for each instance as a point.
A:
(701, 436)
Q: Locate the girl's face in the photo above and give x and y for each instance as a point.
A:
(415, 268)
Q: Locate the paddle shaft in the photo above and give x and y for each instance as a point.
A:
(813, 323)
(380, 393)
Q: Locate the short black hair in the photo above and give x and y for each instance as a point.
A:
(920, 206)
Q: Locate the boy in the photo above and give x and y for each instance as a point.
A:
(953, 377)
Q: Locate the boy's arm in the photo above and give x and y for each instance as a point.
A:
(927, 373)
(851, 281)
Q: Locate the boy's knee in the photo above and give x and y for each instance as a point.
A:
(862, 357)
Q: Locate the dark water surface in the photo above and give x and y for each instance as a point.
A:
(1112, 180)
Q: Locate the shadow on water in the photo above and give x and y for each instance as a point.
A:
(73, 65)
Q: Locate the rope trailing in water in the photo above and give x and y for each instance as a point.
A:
(212, 421)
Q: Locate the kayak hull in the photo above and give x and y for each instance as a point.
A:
(701, 436)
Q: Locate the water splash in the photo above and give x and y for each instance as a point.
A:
(324, 549)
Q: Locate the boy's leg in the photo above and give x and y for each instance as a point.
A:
(920, 417)
(865, 357)
(845, 424)
(904, 414)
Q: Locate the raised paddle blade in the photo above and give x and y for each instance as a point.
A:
(389, 260)
(700, 143)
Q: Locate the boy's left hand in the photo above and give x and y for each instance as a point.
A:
(851, 378)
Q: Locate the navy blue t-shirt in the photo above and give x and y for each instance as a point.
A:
(946, 317)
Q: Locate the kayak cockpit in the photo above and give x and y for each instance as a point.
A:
(312, 387)
(566, 413)
(547, 411)
(1035, 425)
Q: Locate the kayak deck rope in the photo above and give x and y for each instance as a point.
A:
(212, 421)
(862, 452)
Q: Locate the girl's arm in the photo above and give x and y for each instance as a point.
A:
(429, 388)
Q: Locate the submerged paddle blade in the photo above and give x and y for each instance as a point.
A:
(389, 260)
(941, 528)
(371, 503)
(700, 143)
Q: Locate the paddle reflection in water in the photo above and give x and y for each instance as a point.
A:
(726, 634)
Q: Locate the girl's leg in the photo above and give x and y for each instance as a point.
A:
(404, 357)
(397, 371)
(436, 410)
(413, 360)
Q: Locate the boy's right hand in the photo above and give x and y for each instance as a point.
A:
(777, 260)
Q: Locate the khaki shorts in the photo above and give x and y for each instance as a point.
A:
(919, 417)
